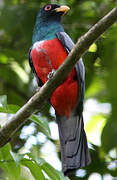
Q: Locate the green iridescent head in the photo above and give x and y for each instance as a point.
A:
(48, 22)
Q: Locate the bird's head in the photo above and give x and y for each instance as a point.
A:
(52, 12)
(48, 22)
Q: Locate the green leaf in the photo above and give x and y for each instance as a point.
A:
(13, 108)
(8, 164)
(41, 122)
(17, 157)
(5, 152)
(3, 59)
(97, 62)
(10, 109)
(34, 169)
(49, 170)
(93, 48)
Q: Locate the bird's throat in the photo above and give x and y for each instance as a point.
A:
(46, 31)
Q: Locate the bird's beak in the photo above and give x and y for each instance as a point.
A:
(63, 9)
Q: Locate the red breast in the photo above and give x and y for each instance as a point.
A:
(46, 56)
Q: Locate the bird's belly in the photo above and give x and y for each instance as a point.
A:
(49, 55)
(64, 98)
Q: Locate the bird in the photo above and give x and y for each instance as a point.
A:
(50, 47)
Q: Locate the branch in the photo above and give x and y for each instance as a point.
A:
(38, 100)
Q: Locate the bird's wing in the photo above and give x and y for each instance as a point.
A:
(74, 148)
(33, 69)
(68, 45)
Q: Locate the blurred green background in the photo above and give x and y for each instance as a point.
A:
(34, 150)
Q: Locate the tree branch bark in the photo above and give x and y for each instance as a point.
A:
(36, 102)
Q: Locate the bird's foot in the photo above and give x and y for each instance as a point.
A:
(37, 89)
(50, 75)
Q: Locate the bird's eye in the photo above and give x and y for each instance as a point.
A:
(48, 7)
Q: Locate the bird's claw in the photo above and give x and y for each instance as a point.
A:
(50, 75)
(37, 89)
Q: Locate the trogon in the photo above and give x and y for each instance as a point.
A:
(50, 47)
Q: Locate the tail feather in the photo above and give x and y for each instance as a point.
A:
(74, 148)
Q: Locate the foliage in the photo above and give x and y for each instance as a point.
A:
(36, 167)
(17, 18)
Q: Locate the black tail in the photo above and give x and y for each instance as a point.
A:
(74, 148)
